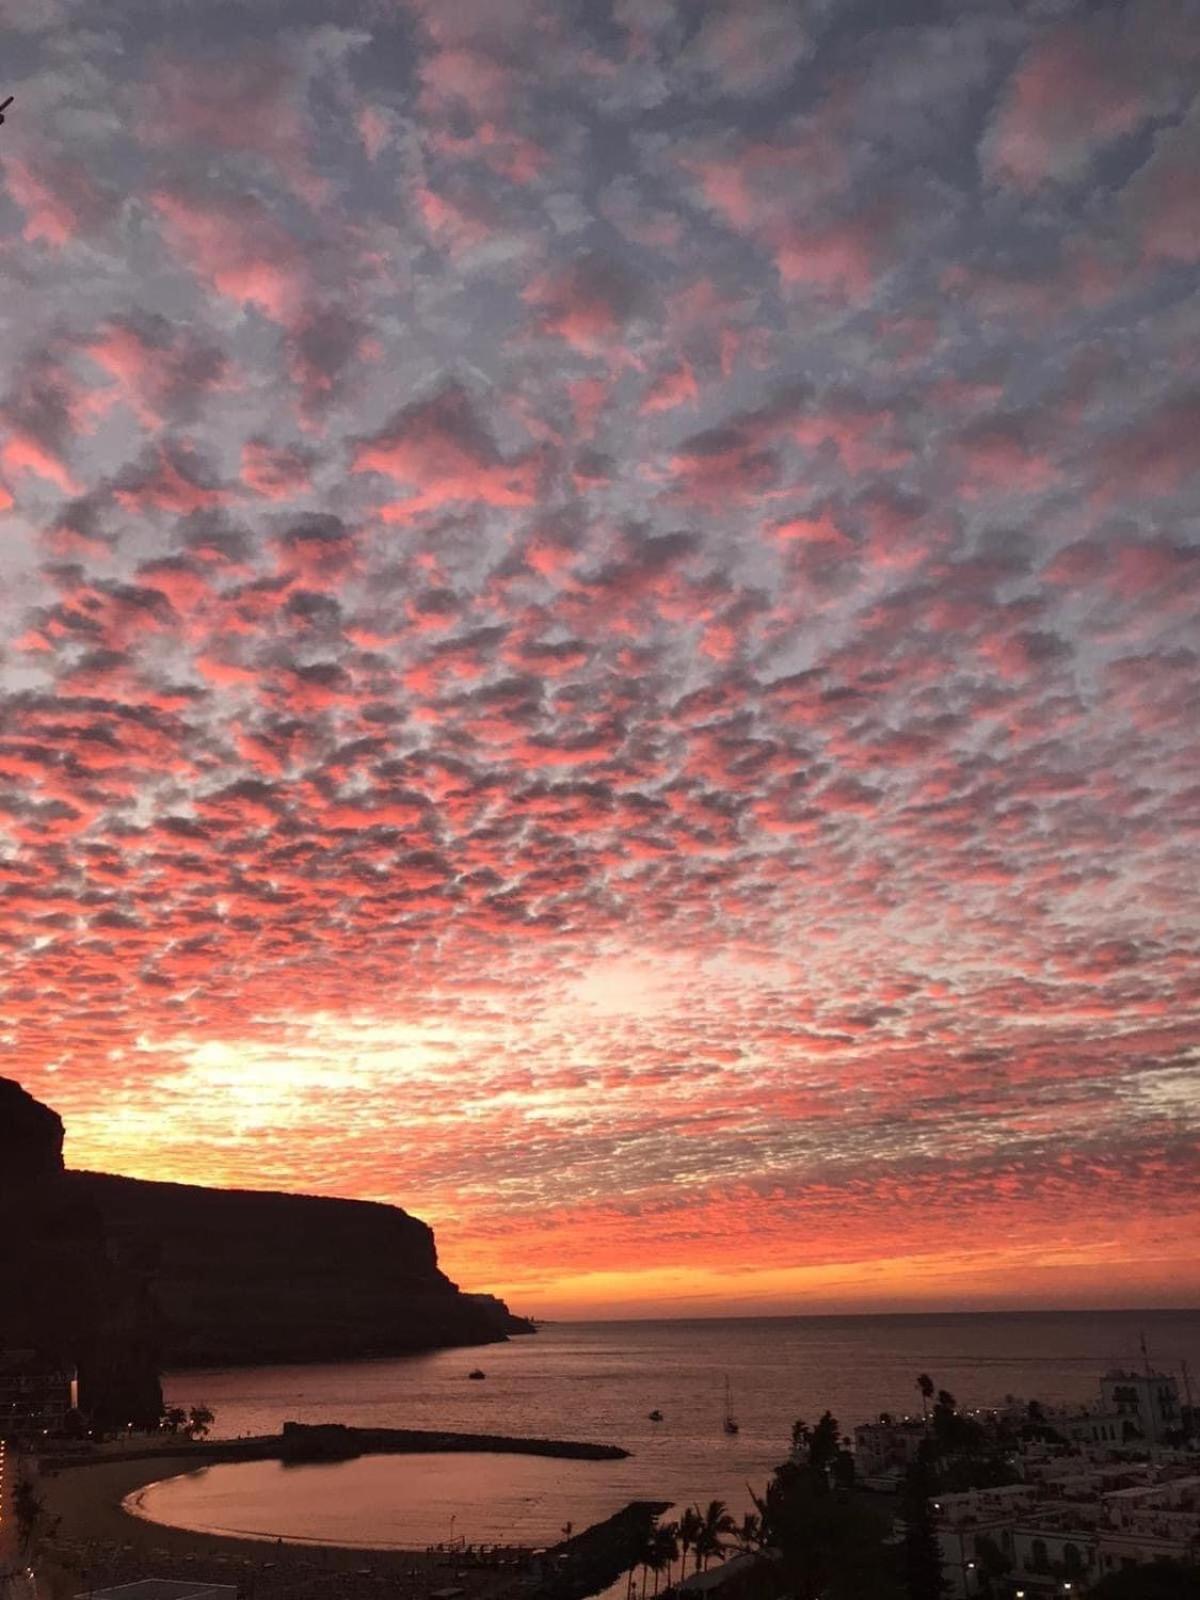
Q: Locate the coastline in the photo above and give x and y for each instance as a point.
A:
(98, 1542)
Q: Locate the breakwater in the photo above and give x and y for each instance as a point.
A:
(590, 1561)
(329, 1442)
(301, 1441)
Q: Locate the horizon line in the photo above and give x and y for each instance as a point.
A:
(810, 1316)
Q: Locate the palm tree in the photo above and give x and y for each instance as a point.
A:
(670, 1531)
(690, 1525)
(715, 1522)
(200, 1419)
(925, 1385)
(750, 1535)
(664, 1547)
(645, 1557)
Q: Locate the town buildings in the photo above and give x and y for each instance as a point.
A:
(35, 1395)
(1098, 1491)
(884, 1450)
(1060, 1537)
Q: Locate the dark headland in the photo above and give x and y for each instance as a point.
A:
(126, 1277)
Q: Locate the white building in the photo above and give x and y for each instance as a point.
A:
(1095, 1427)
(1061, 1534)
(965, 1521)
(1158, 1522)
(1150, 1400)
(1056, 1547)
(1135, 1409)
(884, 1451)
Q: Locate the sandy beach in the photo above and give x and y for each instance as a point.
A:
(95, 1543)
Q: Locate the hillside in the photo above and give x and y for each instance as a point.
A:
(123, 1277)
(244, 1276)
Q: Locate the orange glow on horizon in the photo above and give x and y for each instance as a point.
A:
(599, 636)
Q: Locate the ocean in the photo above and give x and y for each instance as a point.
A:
(600, 1381)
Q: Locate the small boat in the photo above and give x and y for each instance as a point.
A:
(730, 1424)
(476, 1373)
(656, 1415)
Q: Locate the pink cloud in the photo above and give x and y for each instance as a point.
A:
(169, 482)
(374, 129)
(1078, 88)
(820, 530)
(753, 49)
(837, 259)
(1156, 567)
(21, 453)
(724, 468)
(501, 149)
(156, 367)
(238, 248)
(439, 450)
(673, 388)
(1001, 457)
(187, 587)
(762, 187)
(588, 399)
(59, 198)
(248, 104)
(456, 229)
(276, 474)
(1158, 455)
(1161, 199)
(587, 303)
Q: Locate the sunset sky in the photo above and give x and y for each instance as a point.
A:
(601, 614)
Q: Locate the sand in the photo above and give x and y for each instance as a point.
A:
(96, 1543)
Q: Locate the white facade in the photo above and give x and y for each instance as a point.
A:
(1150, 1400)
(1160, 1522)
(1095, 1427)
(965, 1520)
(883, 1448)
(1061, 1534)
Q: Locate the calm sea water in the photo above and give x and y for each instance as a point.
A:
(600, 1381)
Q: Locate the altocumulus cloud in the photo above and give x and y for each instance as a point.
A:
(600, 614)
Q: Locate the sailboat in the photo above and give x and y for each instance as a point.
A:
(730, 1423)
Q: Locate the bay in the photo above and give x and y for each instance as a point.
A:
(600, 1381)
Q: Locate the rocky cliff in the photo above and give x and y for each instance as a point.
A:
(245, 1277)
(127, 1271)
(68, 1298)
(31, 1140)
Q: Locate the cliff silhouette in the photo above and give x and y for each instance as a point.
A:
(125, 1277)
